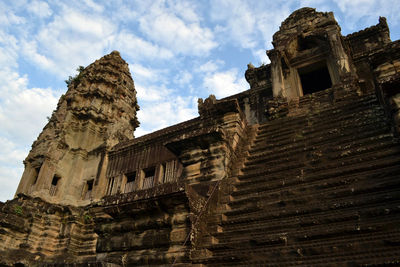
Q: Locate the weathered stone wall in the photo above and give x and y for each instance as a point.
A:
(34, 231)
(150, 231)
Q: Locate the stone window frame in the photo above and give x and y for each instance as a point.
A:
(322, 63)
(55, 182)
(131, 185)
(88, 189)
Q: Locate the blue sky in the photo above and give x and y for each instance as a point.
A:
(177, 51)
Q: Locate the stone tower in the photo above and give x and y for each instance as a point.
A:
(309, 54)
(67, 162)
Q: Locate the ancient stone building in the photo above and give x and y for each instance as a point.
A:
(301, 169)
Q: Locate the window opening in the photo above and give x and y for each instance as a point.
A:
(90, 185)
(315, 78)
(130, 182)
(149, 177)
(36, 175)
(54, 183)
(89, 188)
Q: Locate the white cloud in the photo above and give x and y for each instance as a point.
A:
(29, 48)
(69, 40)
(8, 50)
(23, 110)
(152, 93)
(8, 17)
(261, 56)
(249, 25)
(140, 72)
(40, 9)
(9, 179)
(239, 21)
(10, 152)
(138, 49)
(366, 12)
(225, 83)
(23, 114)
(210, 66)
(186, 10)
(182, 36)
(183, 78)
(11, 167)
(166, 112)
(93, 6)
(160, 107)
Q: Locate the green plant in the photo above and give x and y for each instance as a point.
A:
(18, 210)
(77, 77)
(87, 218)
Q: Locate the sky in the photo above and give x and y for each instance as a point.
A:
(177, 51)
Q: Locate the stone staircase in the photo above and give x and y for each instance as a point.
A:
(318, 188)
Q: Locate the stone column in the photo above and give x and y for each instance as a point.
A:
(278, 85)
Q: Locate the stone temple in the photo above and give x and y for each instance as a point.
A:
(302, 169)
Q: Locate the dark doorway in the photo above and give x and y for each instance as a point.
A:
(315, 78)
(149, 172)
(89, 188)
(131, 177)
(55, 180)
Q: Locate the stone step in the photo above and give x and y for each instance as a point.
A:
(344, 147)
(296, 123)
(309, 129)
(303, 185)
(329, 198)
(315, 137)
(344, 142)
(313, 155)
(347, 107)
(295, 168)
(354, 247)
(277, 210)
(303, 235)
(308, 220)
(270, 184)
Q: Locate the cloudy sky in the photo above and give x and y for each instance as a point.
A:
(177, 52)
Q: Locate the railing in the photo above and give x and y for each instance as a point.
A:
(53, 189)
(148, 182)
(129, 187)
(169, 172)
